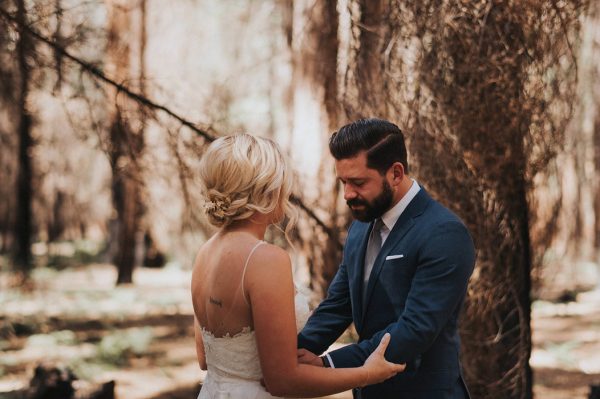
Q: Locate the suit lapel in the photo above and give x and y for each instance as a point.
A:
(403, 225)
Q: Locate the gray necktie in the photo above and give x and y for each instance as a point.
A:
(373, 248)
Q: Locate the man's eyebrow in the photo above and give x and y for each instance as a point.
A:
(352, 179)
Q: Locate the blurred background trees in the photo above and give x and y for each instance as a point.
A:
(106, 107)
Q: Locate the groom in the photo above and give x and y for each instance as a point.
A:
(407, 261)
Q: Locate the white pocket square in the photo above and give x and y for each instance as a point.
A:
(394, 257)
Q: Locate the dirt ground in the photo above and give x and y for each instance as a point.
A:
(141, 336)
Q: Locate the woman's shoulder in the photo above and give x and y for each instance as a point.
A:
(271, 254)
(269, 262)
(268, 267)
(200, 252)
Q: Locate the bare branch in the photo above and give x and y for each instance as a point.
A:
(100, 75)
(144, 100)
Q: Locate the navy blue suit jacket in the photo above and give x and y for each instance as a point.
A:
(416, 297)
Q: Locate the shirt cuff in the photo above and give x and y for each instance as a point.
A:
(330, 361)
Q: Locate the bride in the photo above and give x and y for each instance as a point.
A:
(247, 313)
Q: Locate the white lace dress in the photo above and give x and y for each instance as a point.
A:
(233, 364)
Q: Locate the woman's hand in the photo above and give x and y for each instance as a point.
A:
(378, 369)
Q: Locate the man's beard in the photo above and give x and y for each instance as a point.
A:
(374, 209)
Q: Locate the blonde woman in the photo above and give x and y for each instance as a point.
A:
(247, 314)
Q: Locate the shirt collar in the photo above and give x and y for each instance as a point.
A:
(391, 216)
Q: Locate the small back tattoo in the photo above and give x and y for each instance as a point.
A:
(215, 302)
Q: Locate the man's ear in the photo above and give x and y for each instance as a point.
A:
(396, 172)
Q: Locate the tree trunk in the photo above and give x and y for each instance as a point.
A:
(311, 28)
(6, 230)
(56, 225)
(125, 195)
(485, 184)
(595, 84)
(126, 135)
(485, 107)
(8, 139)
(597, 196)
(467, 86)
(497, 323)
(370, 68)
(8, 163)
(23, 222)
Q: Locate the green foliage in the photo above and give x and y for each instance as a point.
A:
(62, 255)
(117, 347)
(7, 362)
(563, 352)
(89, 369)
(64, 337)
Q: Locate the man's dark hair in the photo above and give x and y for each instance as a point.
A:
(382, 140)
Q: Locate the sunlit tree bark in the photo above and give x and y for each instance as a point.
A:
(594, 17)
(575, 244)
(311, 28)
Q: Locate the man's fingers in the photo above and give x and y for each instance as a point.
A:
(304, 354)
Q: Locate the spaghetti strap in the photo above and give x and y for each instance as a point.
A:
(246, 266)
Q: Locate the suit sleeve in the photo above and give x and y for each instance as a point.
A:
(331, 317)
(438, 287)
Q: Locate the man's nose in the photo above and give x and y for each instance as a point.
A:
(349, 192)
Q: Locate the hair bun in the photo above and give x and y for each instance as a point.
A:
(217, 207)
(241, 175)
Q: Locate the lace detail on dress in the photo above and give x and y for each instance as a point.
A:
(233, 363)
(245, 330)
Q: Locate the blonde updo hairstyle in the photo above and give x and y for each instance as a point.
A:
(242, 174)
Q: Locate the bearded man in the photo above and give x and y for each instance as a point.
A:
(406, 265)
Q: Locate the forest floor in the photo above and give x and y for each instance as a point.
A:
(141, 335)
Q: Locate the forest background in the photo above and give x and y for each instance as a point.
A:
(107, 106)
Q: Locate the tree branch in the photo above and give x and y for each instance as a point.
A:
(93, 70)
(328, 230)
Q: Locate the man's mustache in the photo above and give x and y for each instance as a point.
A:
(356, 201)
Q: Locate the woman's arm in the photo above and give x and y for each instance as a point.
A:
(271, 292)
(199, 345)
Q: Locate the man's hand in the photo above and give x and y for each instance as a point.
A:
(307, 357)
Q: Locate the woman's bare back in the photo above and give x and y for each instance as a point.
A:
(220, 301)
